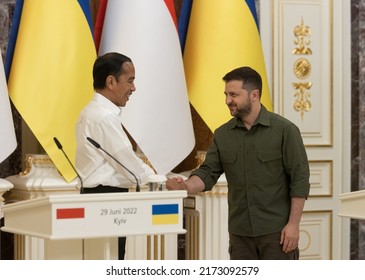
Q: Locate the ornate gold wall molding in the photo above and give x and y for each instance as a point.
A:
(302, 101)
(303, 55)
(302, 68)
(302, 35)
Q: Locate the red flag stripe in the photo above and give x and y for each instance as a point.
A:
(98, 29)
(70, 213)
(170, 5)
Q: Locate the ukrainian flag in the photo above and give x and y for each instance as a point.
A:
(220, 37)
(50, 80)
(165, 214)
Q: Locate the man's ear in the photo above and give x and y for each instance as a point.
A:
(255, 94)
(110, 81)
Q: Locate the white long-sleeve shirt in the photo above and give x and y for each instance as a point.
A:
(100, 120)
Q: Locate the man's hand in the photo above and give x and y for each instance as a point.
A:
(176, 183)
(290, 233)
(192, 185)
(289, 238)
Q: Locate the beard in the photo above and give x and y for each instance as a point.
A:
(243, 109)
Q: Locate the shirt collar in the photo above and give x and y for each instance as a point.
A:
(263, 119)
(108, 104)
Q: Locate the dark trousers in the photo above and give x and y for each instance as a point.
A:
(109, 189)
(266, 247)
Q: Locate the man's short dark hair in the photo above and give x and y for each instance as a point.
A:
(108, 64)
(250, 78)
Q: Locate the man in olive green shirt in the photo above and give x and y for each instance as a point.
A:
(266, 166)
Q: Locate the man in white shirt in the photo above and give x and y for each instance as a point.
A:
(100, 120)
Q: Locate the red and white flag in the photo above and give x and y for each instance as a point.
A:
(158, 114)
(7, 132)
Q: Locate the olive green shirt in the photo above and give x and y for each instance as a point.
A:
(264, 166)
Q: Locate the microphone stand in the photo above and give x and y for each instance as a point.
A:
(98, 146)
(59, 146)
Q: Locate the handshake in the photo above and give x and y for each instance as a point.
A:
(193, 184)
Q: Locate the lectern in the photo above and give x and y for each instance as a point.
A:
(352, 205)
(90, 216)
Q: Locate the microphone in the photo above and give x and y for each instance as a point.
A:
(98, 146)
(59, 146)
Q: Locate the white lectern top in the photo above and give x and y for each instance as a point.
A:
(78, 216)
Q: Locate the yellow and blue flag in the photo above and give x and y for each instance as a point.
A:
(219, 38)
(49, 65)
(165, 214)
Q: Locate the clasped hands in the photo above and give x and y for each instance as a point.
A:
(176, 183)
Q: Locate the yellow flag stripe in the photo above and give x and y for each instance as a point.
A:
(220, 38)
(168, 219)
(51, 74)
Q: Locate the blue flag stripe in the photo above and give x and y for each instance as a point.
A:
(85, 6)
(251, 5)
(183, 23)
(12, 37)
(163, 209)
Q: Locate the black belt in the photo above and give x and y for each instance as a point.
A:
(105, 189)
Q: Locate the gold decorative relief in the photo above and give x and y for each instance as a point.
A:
(302, 40)
(302, 43)
(302, 103)
(302, 68)
(146, 160)
(200, 157)
(32, 160)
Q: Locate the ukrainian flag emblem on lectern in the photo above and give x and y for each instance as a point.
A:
(165, 214)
